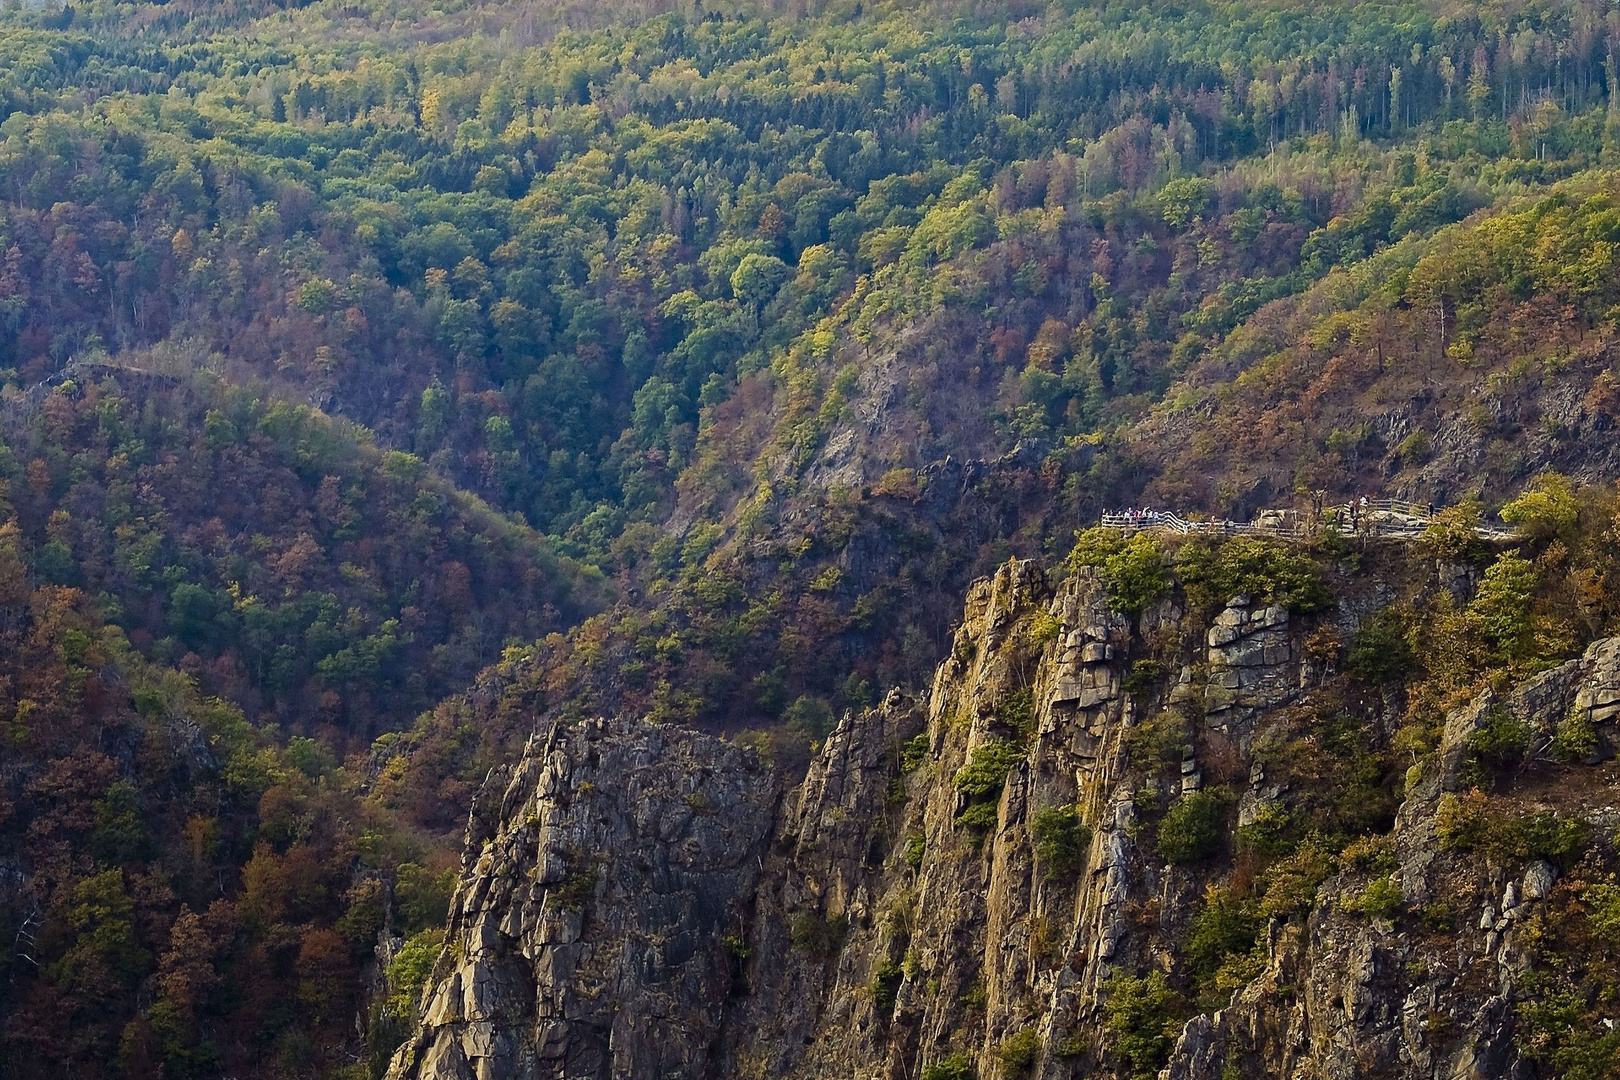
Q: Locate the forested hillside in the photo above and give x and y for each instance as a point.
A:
(541, 264)
(211, 603)
(380, 379)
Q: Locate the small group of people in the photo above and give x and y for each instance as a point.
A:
(1358, 513)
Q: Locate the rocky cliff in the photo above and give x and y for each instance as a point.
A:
(1040, 870)
(595, 929)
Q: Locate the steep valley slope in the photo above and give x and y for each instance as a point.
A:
(412, 410)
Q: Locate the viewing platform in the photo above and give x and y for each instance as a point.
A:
(1359, 517)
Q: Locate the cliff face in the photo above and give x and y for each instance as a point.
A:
(589, 936)
(1344, 995)
(977, 884)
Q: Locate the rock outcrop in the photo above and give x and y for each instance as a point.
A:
(597, 926)
(645, 902)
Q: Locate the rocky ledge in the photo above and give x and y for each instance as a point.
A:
(959, 887)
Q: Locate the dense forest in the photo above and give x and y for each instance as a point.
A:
(380, 377)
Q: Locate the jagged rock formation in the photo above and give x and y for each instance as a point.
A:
(589, 935)
(645, 903)
(1345, 996)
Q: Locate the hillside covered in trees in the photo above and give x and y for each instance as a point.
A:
(380, 379)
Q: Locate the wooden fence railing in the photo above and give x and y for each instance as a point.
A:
(1379, 517)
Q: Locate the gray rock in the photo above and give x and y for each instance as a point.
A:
(645, 902)
(1539, 879)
